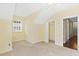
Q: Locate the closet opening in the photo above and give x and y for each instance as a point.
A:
(52, 32)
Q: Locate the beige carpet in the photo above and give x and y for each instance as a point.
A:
(23, 48)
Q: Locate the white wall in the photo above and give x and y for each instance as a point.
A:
(59, 32)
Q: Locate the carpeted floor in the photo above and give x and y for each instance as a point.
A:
(23, 48)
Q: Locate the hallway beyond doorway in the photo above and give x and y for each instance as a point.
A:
(72, 43)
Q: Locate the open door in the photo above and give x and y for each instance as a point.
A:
(70, 34)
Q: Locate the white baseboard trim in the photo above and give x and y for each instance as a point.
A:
(5, 51)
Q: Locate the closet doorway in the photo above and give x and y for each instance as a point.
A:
(52, 31)
(70, 34)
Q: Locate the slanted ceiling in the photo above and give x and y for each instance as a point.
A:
(45, 11)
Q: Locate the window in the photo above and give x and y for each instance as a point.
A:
(17, 26)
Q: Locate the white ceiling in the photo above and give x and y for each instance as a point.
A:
(26, 9)
(46, 13)
(6, 10)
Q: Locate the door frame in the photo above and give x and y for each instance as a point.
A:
(59, 39)
(77, 28)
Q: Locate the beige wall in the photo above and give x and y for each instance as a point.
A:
(52, 30)
(35, 33)
(32, 32)
(5, 36)
(6, 13)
